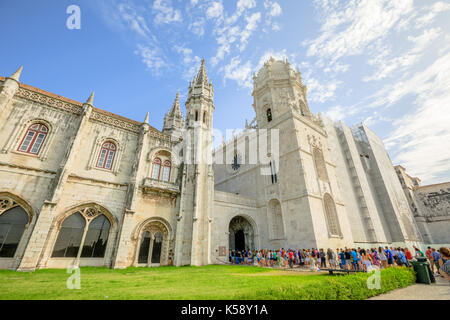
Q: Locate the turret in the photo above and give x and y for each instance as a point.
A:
(173, 121)
(278, 90)
(9, 88)
(197, 195)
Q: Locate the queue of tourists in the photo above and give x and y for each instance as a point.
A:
(345, 259)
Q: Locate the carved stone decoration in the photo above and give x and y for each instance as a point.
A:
(100, 117)
(6, 204)
(50, 101)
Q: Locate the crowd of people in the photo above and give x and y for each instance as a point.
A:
(346, 259)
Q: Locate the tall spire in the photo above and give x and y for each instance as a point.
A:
(176, 111)
(201, 77)
(16, 75)
(147, 117)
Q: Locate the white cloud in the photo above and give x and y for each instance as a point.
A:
(274, 8)
(241, 73)
(348, 29)
(151, 57)
(252, 24)
(165, 12)
(198, 27)
(190, 61)
(215, 11)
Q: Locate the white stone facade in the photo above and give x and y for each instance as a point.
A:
(161, 198)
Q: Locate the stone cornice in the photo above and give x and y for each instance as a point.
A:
(27, 168)
(40, 96)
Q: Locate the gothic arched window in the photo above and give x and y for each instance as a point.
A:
(321, 167)
(331, 216)
(166, 171)
(269, 115)
(106, 157)
(12, 225)
(34, 138)
(70, 242)
(156, 168)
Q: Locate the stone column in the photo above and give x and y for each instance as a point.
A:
(121, 259)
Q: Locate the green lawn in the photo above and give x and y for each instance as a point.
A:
(209, 282)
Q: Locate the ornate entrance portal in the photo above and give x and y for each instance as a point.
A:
(242, 235)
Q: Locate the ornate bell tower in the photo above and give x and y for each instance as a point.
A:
(197, 194)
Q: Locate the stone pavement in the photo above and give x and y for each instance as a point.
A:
(436, 291)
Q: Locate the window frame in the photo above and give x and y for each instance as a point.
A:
(156, 161)
(89, 214)
(108, 151)
(167, 164)
(32, 143)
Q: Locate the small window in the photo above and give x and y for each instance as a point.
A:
(166, 171)
(269, 115)
(156, 168)
(106, 157)
(33, 139)
(273, 171)
(204, 117)
(196, 116)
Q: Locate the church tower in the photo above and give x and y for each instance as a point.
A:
(173, 121)
(197, 194)
(302, 191)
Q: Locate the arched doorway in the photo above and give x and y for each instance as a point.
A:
(153, 245)
(242, 234)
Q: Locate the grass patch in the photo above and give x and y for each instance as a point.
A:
(193, 283)
(339, 287)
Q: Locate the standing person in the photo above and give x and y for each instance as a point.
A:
(330, 257)
(444, 263)
(348, 259)
(323, 259)
(383, 258)
(307, 259)
(408, 254)
(355, 260)
(342, 262)
(428, 254)
(436, 256)
(419, 253)
(388, 253)
(402, 257)
(291, 259)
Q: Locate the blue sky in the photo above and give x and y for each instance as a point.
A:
(382, 62)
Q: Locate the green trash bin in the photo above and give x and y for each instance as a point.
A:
(421, 269)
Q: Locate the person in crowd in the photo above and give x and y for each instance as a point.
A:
(408, 254)
(291, 258)
(323, 259)
(342, 260)
(419, 253)
(444, 263)
(330, 257)
(388, 253)
(402, 257)
(435, 257)
(355, 261)
(428, 254)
